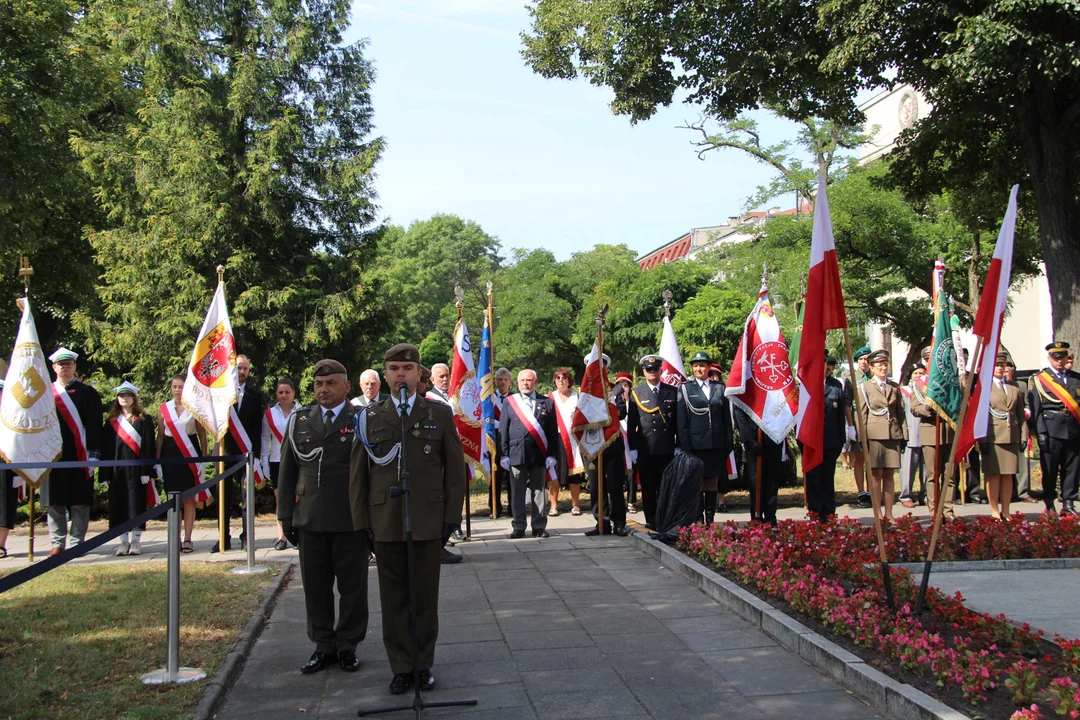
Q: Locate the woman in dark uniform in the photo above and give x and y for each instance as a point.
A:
(273, 432)
(9, 500)
(885, 420)
(705, 429)
(179, 478)
(1001, 446)
(128, 434)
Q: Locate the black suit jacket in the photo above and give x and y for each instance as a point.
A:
(251, 417)
(708, 431)
(651, 419)
(1049, 416)
(515, 440)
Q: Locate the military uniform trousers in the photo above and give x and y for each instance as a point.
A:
(393, 564)
(771, 469)
(324, 558)
(1060, 458)
(821, 485)
(651, 471)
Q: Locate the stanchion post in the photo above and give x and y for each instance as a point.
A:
(30, 553)
(172, 672)
(249, 520)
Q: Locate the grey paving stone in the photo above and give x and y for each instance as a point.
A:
(566, 659)
(631, 643)
(615, 622)
(546, 682)
(526, 608)
(465, 617)
(714, 621)
(829, 705)
(598, 703)
(469, 652)
(763, 657)
(523, 712)
(752, 680)
(450, 633)
(726, 639)
(682, 609)
(539, 623)
(461, 674)
(592, 598)
(538, 590)
(547, 640)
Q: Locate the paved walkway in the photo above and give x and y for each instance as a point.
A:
(568, 627)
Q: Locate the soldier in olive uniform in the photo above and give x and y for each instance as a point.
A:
(650, 430)
(436, 472)
(1055, 421)
(313, 507)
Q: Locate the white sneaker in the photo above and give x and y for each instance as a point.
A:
(123, 549)
(135, 549)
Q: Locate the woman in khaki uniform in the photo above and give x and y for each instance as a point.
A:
(1001, 446)
(883, 416)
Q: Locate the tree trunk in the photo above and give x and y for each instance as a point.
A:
(1049, 154)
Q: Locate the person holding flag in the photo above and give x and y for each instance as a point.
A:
(128, 434)
(1054, 399)
(1001, 448)
(704, 429)
(245, 435)
(937, 404)
(181, 436)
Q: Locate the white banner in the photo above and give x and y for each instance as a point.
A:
(211, 386)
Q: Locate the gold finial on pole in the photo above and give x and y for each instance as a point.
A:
(220, 274)
(459, 298)
(26, 271)
(667, 303)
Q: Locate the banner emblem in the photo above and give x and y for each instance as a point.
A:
(216, 353)
(772, 371)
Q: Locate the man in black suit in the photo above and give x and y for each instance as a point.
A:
(527, 437)
(650, 429)
(1055, 421)
(704, 429)
(250, 407)
(820, 481)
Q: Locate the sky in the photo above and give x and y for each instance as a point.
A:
(472, 131)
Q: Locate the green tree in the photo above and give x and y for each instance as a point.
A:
(998, 73)
(237, 133)
(713, 321)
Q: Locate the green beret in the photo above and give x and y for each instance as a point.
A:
(862, 352)
(329, 367)
(402, 352)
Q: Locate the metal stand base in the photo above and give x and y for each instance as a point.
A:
(252, 570)
(183, 675)
(418, 706)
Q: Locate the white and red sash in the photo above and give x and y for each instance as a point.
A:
(564, 415)
(133, 439)
(240, 437)
(65, 407)
(187, 449)
(271, 422)
(532, 425)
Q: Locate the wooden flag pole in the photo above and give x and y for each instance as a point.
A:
(459, 293)
(26, 272)
(223, 520)
(495, 499)
(603, 385)
(757, 483)
(950, 468)
(885, 575)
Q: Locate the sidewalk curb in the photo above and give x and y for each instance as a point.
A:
(898, 700)
(218, 687)
(916, 568)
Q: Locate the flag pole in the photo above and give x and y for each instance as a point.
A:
(950, 467)
(799, 308)
(26, 271)
(757, 484)
(885, 575)
(495, 499)
(603, 384)
(459, 293)
(223, 522)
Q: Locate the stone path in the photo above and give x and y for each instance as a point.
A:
(569, 627)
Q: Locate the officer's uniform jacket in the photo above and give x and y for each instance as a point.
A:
(883, 412)
(436, 467)
(1006, 417)
(313, 478)
(928, 419)
(1049, 416)
(705, 431)
(651, 419)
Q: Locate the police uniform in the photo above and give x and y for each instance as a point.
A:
(820, 481)
(1053, 399)
(650, 430)
(432, 453)
(313, 499)
(704, 430)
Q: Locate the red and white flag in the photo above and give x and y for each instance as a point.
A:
(211, 387)
(596, 420)
(465, 402)
(937, 280)
(823, 311)
(671, 369)
(761, 381)
(988, 322)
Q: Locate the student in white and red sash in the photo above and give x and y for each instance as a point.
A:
(181, 437)
(68, 492)
(275, 419)
(570, 467)
(245, 435)
(128, 434)
(527, 438)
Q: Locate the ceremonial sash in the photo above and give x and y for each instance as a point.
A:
(131, 437)
(271, 421)
(1050, 384)
(65, 407)
(497, 402)
(532, 425)
(243, 442)
(187, 449)
(564, 416)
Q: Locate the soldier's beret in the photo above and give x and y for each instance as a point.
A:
(652, 362)
(402, 352)
(862, 352)
(716, 368)
(926, 351)
(878, 355)
(329, 367)
(829, 359)
(425, 375)
(701, 356)
(1058, 348)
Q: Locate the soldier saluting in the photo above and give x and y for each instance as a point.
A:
(1055, 420)
(436, 468)
(313, 502)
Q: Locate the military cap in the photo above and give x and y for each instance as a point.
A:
(126, 387)
(862, 352)
(652, 362)
(717, 368)
(1, 383)
(329, 367)
(65, 354)
(605, 360)
(1058, 349)
(425, 375)
(926, 351)
(624, 376)
(829, 359)
(402, 352)
(1003, 356)
(701, 356)
(878, 355)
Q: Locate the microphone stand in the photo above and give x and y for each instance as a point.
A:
(418, 705)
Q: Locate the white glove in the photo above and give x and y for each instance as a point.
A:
(678, 451)
(145, 479)
(160, 472)
(851, 434)
(504, 463)
(549, 463)
(633, 456)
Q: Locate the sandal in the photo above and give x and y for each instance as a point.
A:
(575, 510)
(3, 553)
(553, 512)
(187, 547)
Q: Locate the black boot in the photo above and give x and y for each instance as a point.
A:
(1067, 507)
(710, 507)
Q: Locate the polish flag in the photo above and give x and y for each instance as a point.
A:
(988, 321)
(465, 400)
(824, 310)
(671, 369)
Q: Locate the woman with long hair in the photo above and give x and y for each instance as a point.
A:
(273, 432)
(181, 436)
(571, 467)
(128, 434)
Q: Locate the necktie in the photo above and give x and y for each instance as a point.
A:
(329, 418)
(240, 400)
(403, 408)
(531, 402)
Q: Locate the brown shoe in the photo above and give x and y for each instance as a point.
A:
(55, 551)
(908, 503)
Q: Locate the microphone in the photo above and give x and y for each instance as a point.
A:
(403, 392)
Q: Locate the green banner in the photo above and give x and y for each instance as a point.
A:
(943, 392)
(796, 340)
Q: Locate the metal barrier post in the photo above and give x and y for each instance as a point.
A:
(249, 520)
(172, 672)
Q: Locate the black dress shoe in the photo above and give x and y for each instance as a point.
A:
(449, 558)
(401, 683)
(216, 546)
(541, 534)
(318, 661)
(622, 531)
(348, 660)
(517, 534)
(427, 680)
(281, 545)
(457, 534)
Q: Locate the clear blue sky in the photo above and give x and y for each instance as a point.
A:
(472, 131)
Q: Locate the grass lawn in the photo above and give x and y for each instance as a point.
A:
(74, 641)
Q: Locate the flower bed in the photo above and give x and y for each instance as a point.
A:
(829, 575)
